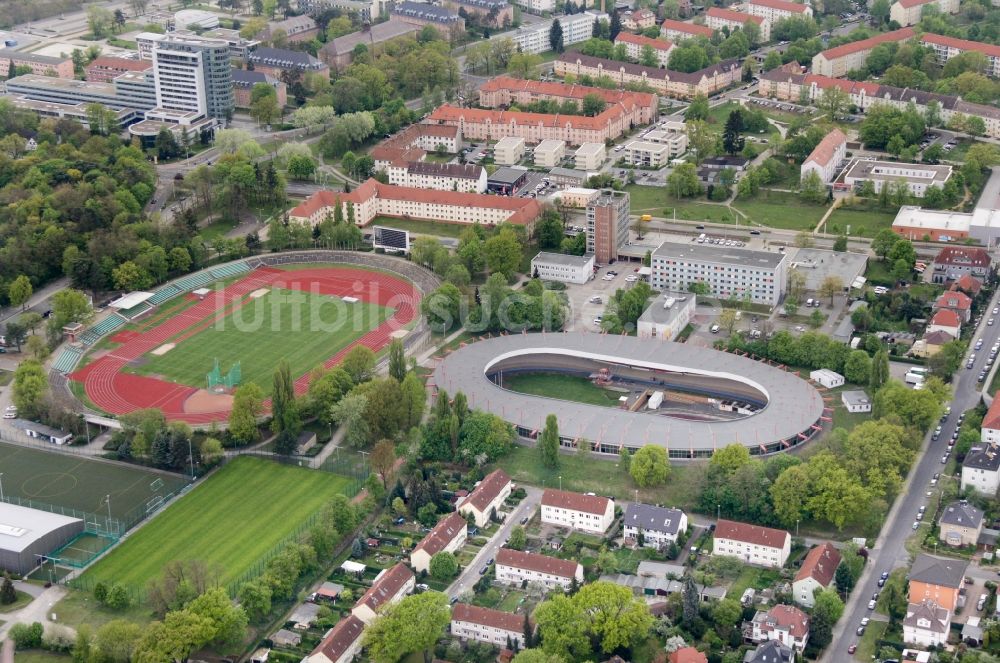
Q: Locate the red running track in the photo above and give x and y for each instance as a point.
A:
(115, 391)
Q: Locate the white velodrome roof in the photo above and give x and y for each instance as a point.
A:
(794, 404)
(21, 526)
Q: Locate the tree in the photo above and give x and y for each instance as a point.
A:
(840, 244)
(30, 387)
(562, 627)
(727, 320)
(683, 182)
(613, 615)
(844, 579)
(248, 405)
(397, 360)
(27, 636)
(698, 109)
(383, 458)
(548, 442)
(537, 656)
(726, 614)
(883, 242)
(284, 409)
(518, 539)
(702, 139)
(349, 412)
(8, 594)
(834, 102)
(359, 364)
(503, 253)
(69, 306)
(442, 307)
(593, 104)
(946, 361)
(732, 141)
(690, 601)
(831, 286)
(443, 566)
(650, 466)
(19, 291)
(812, 187)
(556, 36)
(411, 625)
(772, 60)
(858, 367)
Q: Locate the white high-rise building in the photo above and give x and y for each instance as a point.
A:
(193, 75)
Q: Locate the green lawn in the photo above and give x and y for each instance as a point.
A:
(863, 223)
(421, 227)
(23, 599)
(303, 328)
(752, 576)
(40, 656)
(868, 643)
(777, 209)
(588, 473)
(718, 115)
(565, 387)
(231, 520)
(656, 201)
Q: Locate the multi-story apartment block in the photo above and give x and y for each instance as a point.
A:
(752, 544)
(665, 82)
(502, 91)
(788, 86)
(718, 18)
(775, 10)
(549, 153)
(514, 567)
(464, 178)
(42, 65)
(908, 12)
(954, 262)
(537, 6)
(193, 75)
(635, 46)
(917, 178)
(645, 154)
(276, 61)
(981, 469)
(487, 497)
(945, 48)
(390, 586)
(484, 124)
(638, 19)
(372, 199)
(239, 48)
(340, 644)
(498, 628)
(762, 275)
(509, 150)
(817, 572)
(784, 623)
(495, 13)
(534, 38)
(295, 28)
(826, 156)
(677, 31)
(445, 21)
(655, 526)
(588, 513)
(607, 224)
(839, 60)
(937, 579)
(590, 156)
(448, 535)
(106, 68)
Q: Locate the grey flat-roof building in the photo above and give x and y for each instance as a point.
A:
(856, 401)
(916, 177)
(506, 180)
(726, 271)
(818, 264)
(667, 316)
(27, 533)
(562, 267)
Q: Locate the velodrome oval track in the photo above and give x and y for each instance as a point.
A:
(115, 391)
(792, 415)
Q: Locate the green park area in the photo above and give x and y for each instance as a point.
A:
(301, 327)
(228, 522)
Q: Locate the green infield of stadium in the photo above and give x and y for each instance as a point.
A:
(77, 482)
(304, 328)
(230, 521)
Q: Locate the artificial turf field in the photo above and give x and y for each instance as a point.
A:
(301, 327)
(77, 482)
(231, 520)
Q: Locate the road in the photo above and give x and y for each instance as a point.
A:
(890, 551)
(470, 574)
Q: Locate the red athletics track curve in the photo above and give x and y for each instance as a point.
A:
(117, 392)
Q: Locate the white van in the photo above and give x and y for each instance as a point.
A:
(916, 376)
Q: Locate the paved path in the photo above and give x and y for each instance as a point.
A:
(7, 651)
(39, 610)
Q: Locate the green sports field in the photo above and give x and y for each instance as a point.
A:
(304, 328)
(231, 520)
(566, 387)
(77, 482)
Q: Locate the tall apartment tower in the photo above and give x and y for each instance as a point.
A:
(193, 74)
(607, 224)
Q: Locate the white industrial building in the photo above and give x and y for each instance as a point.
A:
(827, 378)
(562, 267)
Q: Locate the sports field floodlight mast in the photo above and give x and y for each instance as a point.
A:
(1, 486)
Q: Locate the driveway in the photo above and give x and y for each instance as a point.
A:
(470, 574)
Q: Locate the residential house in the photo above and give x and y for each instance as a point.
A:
(957, 301)
(687, 655)
(653, 526)
(853, 56)
(635, 45)
(775, 10)
(498, 628)
(447, 536)
(492, 13)
(514, 567)
(960, 524)
(442, 19)
(816, 572)
(296, 28)
(926, 624)
(276, 61)
(931, 344)
(638, 19)
(752, 544)
(718, 18)
(981, 468)
(947, 321)
(945, 48)
(954, 262)
(771, 651)
(390, 586)
(826, 157)
(936, 579)
(339, 53)
(588, 513)
(340, 644)
(908, 12)
(784, 623)
(487, 497)
(677, 31)
(682, 85)
(968, 284)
